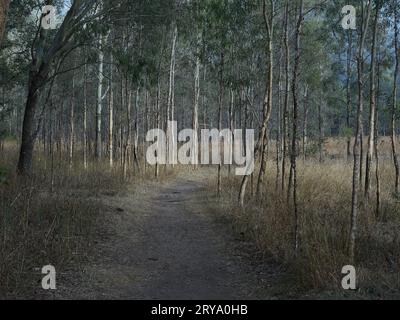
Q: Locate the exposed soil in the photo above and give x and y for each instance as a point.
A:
(163, 243)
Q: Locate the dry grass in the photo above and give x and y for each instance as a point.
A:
(39, 227)
(324, 204)
(52, 217)
(337, 147)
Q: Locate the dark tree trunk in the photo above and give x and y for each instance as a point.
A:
(348, 88)
(286, 103)
(295, 124)
(394, 106)
(29, 130)
(220, 105)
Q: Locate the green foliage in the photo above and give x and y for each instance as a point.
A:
(346, 132)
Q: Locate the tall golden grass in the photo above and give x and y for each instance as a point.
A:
(324, 194)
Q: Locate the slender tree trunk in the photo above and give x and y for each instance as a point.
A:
(158, 118)
(377, 174)
(72, 125)
(51, 147)
(287, 90)
(203, 99)
(44, 133)
(357, 143)
(305, 123)
(348, 89)
(99, 100)
(171, 92)
(376, 146)
(136, 131)
(264, 127)
(268, 102)
(279, 126)
(361, 179)
(195, 124)
(128, 145)
(372, 116)
(158, 98)
(85, 138)
(295, 124)
(122, 133)
(231, 121)
(220, 105)
(147, 126)
(394, 105)
(321, 131)
(111, 118)
(59, 132)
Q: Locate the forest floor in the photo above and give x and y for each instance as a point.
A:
(163, 241)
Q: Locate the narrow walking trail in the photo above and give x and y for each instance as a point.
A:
(165, 244)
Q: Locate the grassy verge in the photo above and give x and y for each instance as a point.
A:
(50, 218)
(324, 204)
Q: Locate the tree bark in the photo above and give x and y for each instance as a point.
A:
(72, 124)
(136, 131)
(321, 131)
(372, 116)
(357, 143)
(111, 118)
(231, 121)
(295, 125)
(4, 4)
(348, 92)
(279, 125)
(28, 126)
(171, 91)
(128, 145)
(394, 105)
(305, 123)
(158, 98)
(85, 139)
(220, 105)
(268, 102)
(287, 90)
(99, 109)
(195, 122)
(376, 146)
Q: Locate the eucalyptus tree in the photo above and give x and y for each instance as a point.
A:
(285, 111)
(220, 17)
(268, 12)
(366, 10)
(373, 102)
(395, 8)
(48, 49)
(295, 89)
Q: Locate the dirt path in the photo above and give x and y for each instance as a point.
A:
(165, 245)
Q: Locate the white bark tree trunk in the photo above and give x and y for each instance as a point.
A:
(111, 119)
(170, 116)
(99, 99)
